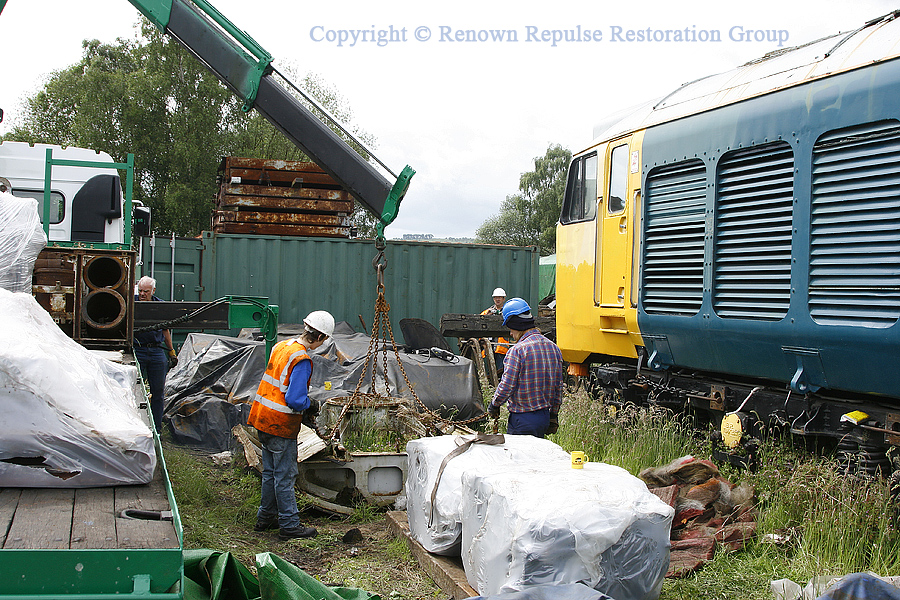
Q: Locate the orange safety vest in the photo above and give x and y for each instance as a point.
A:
(270, 412)
(503, 344)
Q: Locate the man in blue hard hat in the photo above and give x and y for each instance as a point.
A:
(533, 374)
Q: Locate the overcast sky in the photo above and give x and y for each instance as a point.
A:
(468, 116)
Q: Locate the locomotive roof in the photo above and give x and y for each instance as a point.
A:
(876, 41)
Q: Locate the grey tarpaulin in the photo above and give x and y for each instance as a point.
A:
(215, 381)
(855, 586)
(566, 591)
(861, 586)
(211, 388)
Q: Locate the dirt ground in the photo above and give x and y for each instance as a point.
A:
(363, 555)
(340, 541)
(218, 506)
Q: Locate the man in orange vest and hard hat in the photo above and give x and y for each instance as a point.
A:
(277, 411)
(501, 344)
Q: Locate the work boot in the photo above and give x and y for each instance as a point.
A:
(264, 524)
(297, 532)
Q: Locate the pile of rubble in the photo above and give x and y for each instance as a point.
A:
(708, 509)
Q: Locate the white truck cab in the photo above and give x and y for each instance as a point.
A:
(85, 201)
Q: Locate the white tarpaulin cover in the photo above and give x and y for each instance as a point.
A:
(21, 240)
(547, 523)
(442, 535)
(69, 418)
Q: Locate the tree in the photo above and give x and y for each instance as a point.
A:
(529, 217)
(150, 97)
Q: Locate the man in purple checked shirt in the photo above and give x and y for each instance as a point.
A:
(533, 374)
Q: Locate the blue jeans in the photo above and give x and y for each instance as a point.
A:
(529, 423)
(154, 365)
(279, 459)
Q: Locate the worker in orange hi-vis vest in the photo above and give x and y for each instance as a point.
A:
(502, 345)
(277, 411)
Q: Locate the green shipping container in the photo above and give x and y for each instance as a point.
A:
(423, 280)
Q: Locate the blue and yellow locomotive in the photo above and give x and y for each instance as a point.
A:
(735, 246)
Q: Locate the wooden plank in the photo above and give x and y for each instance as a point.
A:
(43, 520)
(9, 499)
(93, 519)
(308, 443)
(252, 451)
(446, 572)
(141, 533)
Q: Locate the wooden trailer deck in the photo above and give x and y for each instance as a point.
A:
(85, 518)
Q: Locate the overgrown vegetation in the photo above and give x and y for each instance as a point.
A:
(831, 523)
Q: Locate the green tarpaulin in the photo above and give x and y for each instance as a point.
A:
(212, 575)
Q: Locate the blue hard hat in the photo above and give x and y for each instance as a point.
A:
(515, 306)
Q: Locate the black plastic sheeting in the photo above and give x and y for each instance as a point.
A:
(861, 586)
(215, 381)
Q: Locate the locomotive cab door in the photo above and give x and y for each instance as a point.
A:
(613, 263)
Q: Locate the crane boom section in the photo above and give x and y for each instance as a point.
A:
(245, 68)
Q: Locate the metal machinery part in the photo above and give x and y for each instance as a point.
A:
(88, 292)
(378, 477)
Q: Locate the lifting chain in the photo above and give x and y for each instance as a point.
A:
(382, 330)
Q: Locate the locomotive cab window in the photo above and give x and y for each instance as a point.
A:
(580, 203)
(618, 180)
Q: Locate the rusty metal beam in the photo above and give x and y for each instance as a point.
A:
(229, 193)
(280, 229)
(283, 218)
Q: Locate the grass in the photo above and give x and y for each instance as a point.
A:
(629, 437)
(838, 523)
(218, 508)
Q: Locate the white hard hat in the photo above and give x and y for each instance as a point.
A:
(321, 321)
(499, 292)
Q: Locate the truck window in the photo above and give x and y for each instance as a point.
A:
(57, 203)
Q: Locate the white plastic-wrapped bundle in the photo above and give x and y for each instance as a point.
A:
(551, 524)
(439, 532)
(69, 418)
(21, 240)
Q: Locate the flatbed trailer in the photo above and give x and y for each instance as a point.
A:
(87, 543)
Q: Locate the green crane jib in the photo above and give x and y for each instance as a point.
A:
(246, 69)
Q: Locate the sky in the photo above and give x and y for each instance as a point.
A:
(467, 93)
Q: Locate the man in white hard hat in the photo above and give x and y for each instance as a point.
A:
(277, 412)
(501, 344)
